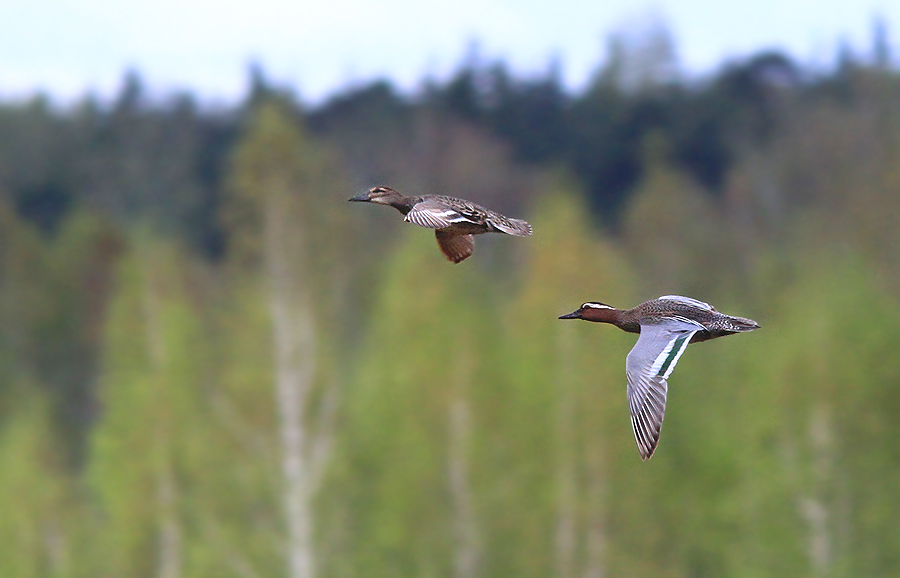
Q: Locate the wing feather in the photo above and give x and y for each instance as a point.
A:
(689, 301)
(433, 215)
(455, 246)
(647, 366)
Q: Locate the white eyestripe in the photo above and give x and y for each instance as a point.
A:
(595, 306)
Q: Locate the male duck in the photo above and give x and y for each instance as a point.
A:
(666, 326)
(454, 220)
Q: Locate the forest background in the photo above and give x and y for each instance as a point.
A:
(212, 365)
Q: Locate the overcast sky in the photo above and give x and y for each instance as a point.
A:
(69, 47)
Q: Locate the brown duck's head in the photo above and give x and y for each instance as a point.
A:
(594, 311)
(380, 195)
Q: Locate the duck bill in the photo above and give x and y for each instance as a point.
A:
(361, 198)
(572, 315)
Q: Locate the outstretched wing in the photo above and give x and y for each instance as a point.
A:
(647, 366)
(455, 246)
(435, 215)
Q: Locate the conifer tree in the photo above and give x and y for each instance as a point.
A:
(673, 231)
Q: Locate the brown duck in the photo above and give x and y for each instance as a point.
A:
(666, 326)
(455, 220)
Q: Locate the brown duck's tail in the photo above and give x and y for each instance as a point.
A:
(516, 227)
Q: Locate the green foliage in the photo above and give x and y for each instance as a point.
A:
(838, 413)
(423, 353)
(52, 297)
(673, 231)
(152, 385)
(562, 402)
(38, 515)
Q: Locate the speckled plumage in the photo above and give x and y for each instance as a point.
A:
(454, 220)
(666, 326)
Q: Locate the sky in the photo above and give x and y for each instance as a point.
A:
(69, 48)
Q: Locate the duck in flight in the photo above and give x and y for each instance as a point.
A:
(666, 326)
(455, 221)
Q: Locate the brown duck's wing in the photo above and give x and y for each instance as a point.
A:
(455, 246)
(439, 215)
(494, 221)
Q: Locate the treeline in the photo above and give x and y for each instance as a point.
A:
(211, 364)
(162, 158)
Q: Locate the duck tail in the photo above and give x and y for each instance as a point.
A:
(516, 227)
(741, 324)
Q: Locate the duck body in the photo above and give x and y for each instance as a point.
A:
(666, 326)
(454, 220)
(714, 324)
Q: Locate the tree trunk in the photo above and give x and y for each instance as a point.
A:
(566, 474)
(465, 532)
(169, 529)
(466, 556)
(813, 504)
(294, 348)
(596, 538)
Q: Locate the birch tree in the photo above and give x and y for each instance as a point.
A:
(279, 220)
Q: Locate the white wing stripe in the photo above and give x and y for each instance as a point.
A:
(656, 368)
(681, 344)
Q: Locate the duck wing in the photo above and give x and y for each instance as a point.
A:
(491, 220)
(435, 214)
(455, 246)
(647, 366)
(688, 301)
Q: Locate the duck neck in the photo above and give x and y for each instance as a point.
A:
(624, 320)
(403, 204)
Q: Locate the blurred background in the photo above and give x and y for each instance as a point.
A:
(212, 365)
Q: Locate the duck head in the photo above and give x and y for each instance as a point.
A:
(380, 195)
(594, 311)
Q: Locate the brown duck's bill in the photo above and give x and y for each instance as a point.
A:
(573, 315)
(361, 198)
